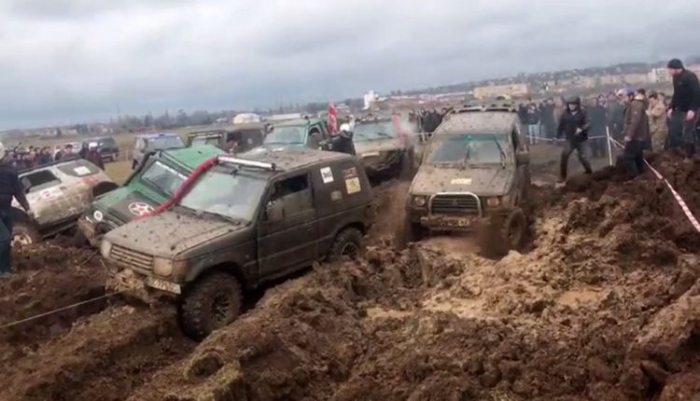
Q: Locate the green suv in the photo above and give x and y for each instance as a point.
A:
(152, 183)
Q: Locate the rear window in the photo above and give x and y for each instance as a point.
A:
(78, 168)
(108, 142)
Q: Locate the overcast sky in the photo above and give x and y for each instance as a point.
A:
(66, 61)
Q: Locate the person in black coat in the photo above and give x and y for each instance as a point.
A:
(10, 187)
(684, 108)
(574, 126)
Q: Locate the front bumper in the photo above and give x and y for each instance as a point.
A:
(94, 231)
(147, 288)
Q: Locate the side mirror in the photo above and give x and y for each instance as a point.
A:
(274, 212)
(522, 158)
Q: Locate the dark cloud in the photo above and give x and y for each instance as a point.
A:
(66, 61)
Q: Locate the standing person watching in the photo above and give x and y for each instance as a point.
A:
(636, 130)
(10, 187)
(574, 125)
(683, 109)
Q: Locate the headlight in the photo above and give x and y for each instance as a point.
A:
(163, 267)
(419, 201)
(105, 248)
(493, 202)
(98, 216)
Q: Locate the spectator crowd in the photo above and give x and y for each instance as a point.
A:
(22, 158)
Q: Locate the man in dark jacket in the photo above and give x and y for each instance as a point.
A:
(93, 155)
(343, 141)
(574, 125)
(683, 109)
(598, 125)
(10, 187)
(636, 131)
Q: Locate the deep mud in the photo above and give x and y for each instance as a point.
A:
(606, 306)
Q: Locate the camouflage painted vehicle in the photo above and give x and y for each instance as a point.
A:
(249, 220)
(58, 193)
(151, 184)
(383, 147)
(474, 175)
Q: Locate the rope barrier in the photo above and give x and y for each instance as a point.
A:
(679, 199)
(75, 305)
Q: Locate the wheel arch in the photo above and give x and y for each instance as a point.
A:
(102, 188)
(232, 268)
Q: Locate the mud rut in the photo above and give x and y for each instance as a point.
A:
(605, 307)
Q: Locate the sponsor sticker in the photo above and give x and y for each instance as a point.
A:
(140, 208)
(327, 175)
(461, 181)
(352, 185)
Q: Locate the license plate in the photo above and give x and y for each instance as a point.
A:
(163, 285)
(458, 222)
(370, 154)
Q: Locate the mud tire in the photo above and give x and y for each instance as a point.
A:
(514, 229)
(28, 231)
(349, 237)
(196, 312)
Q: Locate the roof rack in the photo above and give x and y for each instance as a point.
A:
(248, 163)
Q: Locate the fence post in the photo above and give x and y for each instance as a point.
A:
(609, 141)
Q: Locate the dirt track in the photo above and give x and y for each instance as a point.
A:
(605, 307)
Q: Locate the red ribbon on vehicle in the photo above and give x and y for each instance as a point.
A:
(184, 188)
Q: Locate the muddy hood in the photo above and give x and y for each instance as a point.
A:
(481, 181)
(126, 204)
(170, 233)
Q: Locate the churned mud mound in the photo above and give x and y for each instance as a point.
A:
(606, 307)
(104, 357)
(47, 277)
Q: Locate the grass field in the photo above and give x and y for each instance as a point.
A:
(119, 171)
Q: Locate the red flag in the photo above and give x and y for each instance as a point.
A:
(332, 119)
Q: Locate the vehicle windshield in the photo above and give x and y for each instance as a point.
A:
(163, 178)
(229, 194)
(471, 149)
(165, 142)
(373, 131)
(286, 135)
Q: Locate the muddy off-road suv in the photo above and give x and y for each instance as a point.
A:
(474, 175)
(243, 222)
(58, 193)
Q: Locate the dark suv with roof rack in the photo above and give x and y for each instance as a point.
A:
(248, 221)
(474, 174)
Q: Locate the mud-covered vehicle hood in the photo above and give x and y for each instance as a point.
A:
(482, 181)
(125, 204)
(170, 233)
(379, 154)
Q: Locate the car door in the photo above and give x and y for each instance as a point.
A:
(47, 196)
(288, 230)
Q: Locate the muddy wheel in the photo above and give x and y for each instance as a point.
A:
(348, 243)
(24, 234)
(514, 229)
(212, 303)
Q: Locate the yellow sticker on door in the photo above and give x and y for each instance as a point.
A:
(353, 185)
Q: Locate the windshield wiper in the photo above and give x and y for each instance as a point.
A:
(465, 160)
(503, 154)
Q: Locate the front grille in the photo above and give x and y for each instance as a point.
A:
(454, 204)
(131, 258)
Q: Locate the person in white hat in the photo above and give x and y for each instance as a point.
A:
(10, 187)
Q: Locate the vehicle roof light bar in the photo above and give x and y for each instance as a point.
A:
(249, 163)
